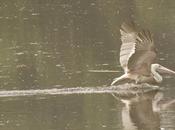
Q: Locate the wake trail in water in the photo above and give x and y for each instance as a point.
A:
(55, 91)
(122, 89)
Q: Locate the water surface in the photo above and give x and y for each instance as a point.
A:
(69, 44)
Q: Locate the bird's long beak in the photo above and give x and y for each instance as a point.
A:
(165, 70)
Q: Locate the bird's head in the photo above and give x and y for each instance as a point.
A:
(162, 70)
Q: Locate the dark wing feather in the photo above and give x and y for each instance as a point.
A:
(140, 62)
(137, 51)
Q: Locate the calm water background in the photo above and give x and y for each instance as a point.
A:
(55, 44)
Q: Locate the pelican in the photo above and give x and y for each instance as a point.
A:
(138, 55)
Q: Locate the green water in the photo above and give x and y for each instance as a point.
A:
(54, 44)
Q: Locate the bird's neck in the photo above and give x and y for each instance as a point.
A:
(156, 75)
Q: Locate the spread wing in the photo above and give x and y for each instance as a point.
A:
(137, 51)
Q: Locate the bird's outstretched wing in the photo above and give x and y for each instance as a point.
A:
(137, 51)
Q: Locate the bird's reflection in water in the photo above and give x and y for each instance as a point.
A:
(142, 108)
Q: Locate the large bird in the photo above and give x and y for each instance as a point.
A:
(137, 56)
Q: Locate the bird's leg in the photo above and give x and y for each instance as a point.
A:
(119, 79)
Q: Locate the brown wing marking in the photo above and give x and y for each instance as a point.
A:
(140, 62)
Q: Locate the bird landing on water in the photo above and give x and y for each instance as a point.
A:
(138, 55)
